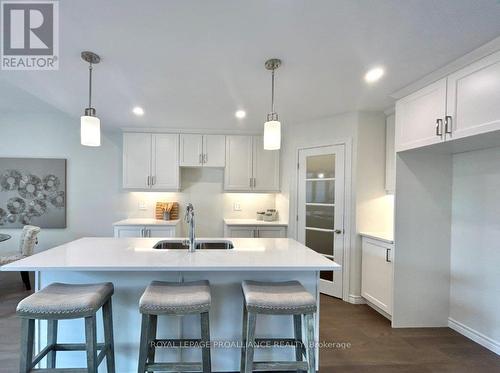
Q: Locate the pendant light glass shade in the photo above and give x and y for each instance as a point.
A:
(272, 135)
(90, 131)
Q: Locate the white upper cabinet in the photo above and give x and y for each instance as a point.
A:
(151, 161)
(136, 160)
(202, 150)
(266, 167)
(214, 147)
(464, 104)
(238, 171)
(249, 167)
(474, 98)
(191, 151)
(165, 162)
(420, 117)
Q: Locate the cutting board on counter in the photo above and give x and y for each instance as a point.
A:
(161, 206)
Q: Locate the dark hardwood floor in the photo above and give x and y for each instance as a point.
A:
(371, 344)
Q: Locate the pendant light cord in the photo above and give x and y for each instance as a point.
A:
(272, 92)
(90, 85)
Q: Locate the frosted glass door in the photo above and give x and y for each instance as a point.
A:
(321, 208)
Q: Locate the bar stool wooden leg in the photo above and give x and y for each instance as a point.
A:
(244, 340)
(310, 343)
(26, 350)
(91, 342)
(297, 327)
(205, 339)
(51, 340)
(107, 317)
(153, 323)
(143, 348)
(250, 337)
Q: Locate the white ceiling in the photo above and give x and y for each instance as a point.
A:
(192, 64)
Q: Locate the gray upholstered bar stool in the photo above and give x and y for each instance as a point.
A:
(174, 299)
(60, 301)
(278, 298)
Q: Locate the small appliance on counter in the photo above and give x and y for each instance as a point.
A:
(167, 210)
(260, 215)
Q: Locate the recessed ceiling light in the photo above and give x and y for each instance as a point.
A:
(240, 114)
(138, 111)
(374, 74)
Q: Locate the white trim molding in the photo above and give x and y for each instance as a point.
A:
(476, 336)
(356, 299)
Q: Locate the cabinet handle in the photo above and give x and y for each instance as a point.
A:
(256, 233)
(153, 180)
(447, 124)
(250, 181)
(148, 232)
(439, 127)
(200, 161)
(387, 255)
(205, 158)
(254, 182)
(142, 232)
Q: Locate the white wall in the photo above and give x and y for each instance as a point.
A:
(475, 242)
(95, 198)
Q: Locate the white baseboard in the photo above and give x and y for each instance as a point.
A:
(476, 336)
(356, 299)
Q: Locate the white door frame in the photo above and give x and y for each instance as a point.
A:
(346, 270)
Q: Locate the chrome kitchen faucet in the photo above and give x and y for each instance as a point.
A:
(189, 218)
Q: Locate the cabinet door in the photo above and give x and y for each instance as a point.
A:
(266, 167)
(417, 117)
(238, 170)
(241, 232)
(191, 150)
(155, 231)
(128, 231)
(376, 274)
(271, 232)
(136, 160)
(474, 98)
(214, 149)
(165, 162)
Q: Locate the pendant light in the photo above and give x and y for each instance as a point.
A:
(272, 127)
(90, 125)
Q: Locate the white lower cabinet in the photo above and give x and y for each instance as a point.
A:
(377, 273)
(144, 231)
(235, 231)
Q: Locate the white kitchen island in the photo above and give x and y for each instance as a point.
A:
(132, 263)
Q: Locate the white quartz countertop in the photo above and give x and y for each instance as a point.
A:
(137, 254)
(146, 221)
(382, 236)
(279, 223)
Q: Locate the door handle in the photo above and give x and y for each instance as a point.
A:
(448, 124)
(387, 255)
(338, 231)
(439, 127)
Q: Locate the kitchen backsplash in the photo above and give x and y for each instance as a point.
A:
(204, 189)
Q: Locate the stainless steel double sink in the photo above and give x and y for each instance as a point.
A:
(200, 245)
